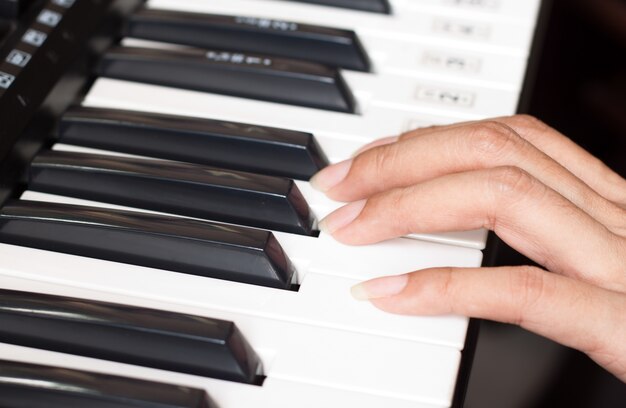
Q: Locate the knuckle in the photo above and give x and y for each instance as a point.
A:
(494, 140)
(530, 286)
(511, 182)
(384, 157)
(528, 122)
(399, 200)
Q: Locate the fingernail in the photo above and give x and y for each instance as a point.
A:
(380, 287)
(376, 143)
(330, 176)
(341, 217)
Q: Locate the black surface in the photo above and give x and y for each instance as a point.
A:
(11, 9)
(244, 75)
(325, 45)
(173, 187)
(25, 385)
(57, 74)
(133, 335)
(378, 6)
(194, 247)
(238, 146)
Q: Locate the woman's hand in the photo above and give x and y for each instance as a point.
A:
(537, 190)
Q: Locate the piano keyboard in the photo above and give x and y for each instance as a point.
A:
(167, 233)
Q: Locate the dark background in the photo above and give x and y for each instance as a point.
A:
(580, 89)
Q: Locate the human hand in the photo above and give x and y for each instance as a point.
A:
(537, 190)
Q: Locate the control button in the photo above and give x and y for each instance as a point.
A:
(64, 3)
(34, 37)
(19, 58)
(49, 18)
(6, 80)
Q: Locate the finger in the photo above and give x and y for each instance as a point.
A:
(563, 150)
(572, 313)
(455, 149)
(577, 160)
(523, 212)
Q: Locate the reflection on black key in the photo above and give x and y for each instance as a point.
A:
(132, 335)
(180, 188)
(236, 74)
(377, 6)
(25, 385)
(238, 146)
(329, 46)
(194, 247)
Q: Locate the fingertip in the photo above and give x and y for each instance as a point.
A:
(341, 217)
(383, 287)
(330, 176)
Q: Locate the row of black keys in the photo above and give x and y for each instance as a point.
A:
(11, 9)
(280, 62)
(212, 249)
(144, 337)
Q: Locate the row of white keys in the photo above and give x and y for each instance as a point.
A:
(489, 36)
(325, 270)
(412, 94)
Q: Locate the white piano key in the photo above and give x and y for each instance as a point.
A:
(440, 63)
(445, 30)
(408, 94)
(322, 206)
(319, 203)
(274, 393)
(502, 10)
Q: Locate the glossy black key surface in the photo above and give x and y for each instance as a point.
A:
(186, 189)
(238, 146)
(24, 385)
(132, 335)
(235, 74)
(189, 246)
(377, 6)
(328, 46)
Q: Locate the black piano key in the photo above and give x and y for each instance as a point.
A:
(329, 46)
(189, 246)
(377, 6)
(186, 189)
(25, 385)
(236, 74)
(131, 335)
(238, 146)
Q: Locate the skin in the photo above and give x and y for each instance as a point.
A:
(536, 189)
